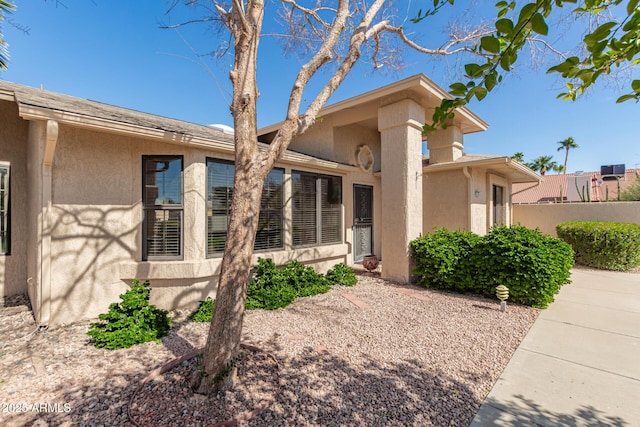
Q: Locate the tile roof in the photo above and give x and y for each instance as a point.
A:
(549, 190)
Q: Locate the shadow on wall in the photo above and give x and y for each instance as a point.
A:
(87, 245)
(523, 411)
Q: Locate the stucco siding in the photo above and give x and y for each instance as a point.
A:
(347, 141)
(13, 149)
(96, 227)
(480, 196)
(445, 196)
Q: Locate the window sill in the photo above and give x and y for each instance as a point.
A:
(197, 269)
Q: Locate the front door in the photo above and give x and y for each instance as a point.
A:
(362, 221)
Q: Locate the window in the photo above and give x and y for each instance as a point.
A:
(498, 205)
(4, 209)
(163, 208)
(219, 193)
(317, 209)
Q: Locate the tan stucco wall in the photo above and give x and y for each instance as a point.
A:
(480, 197)
(347, 140)
(13, 149)
(446, 198)
(547, 216)
(96, 226)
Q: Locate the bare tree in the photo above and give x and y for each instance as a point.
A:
(337, 33)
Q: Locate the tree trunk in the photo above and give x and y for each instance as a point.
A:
(217, 364)
(217, 369)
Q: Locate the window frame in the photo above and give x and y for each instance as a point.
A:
(5, 220)
(220, 253)
(146, 207)
(319, 223)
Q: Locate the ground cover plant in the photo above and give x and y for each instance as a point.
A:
(341, 274)
(274, 287)
(204, 312)
(603, 244)
(130, 322)
(532, 265)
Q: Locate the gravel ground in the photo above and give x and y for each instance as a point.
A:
(375, 354)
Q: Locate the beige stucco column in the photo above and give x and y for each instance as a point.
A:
(400, 125)
(43, 137)
(445, 145)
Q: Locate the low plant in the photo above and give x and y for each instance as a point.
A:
(531, 264)
(269, 289)
(341, 274)
(602, 244)
(204, 312)
(304, 279)
(130, 322)
(274, 287)
(439, 258)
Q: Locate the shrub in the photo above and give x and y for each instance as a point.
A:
(341, 274)
(439, 258)
(269, 289)
(304, 280)
(204, 313)
(605, 245)
(132, 321)
(532, 265)
(274, 288)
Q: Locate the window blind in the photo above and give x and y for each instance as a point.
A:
(163, 207)
(219, 195)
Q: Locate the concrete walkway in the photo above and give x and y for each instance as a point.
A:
(579, 365)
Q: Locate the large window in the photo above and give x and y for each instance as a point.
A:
(317, 209)
(219, 193)
(163, 207)
(4, 208)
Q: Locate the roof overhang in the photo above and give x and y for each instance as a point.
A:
(364, 108)
(38, 105)
(515, 171)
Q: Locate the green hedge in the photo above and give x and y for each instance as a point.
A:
(532, 265)
(439, 258)
(605, 245)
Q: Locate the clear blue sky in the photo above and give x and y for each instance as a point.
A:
(115, 52)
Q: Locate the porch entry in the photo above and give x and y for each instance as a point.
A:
(362, 221)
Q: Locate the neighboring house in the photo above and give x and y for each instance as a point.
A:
(95, 195)
(576, 187)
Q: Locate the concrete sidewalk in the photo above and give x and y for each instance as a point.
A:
(579, 365)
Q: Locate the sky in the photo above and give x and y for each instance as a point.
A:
(116, 52)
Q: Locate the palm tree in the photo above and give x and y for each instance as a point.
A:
(567, 145)
(6, 6)
(543, 164)
(518, 157)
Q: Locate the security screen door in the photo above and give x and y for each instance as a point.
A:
(362, 221)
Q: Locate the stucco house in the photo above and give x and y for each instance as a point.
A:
(95, 195)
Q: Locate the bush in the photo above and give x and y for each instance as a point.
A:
(304, 280)
(274, 288)
(341, 274)
(132, 321)
(439, 258)
(605, 245)
(532, 265)
(269, 289)
(204, 313)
